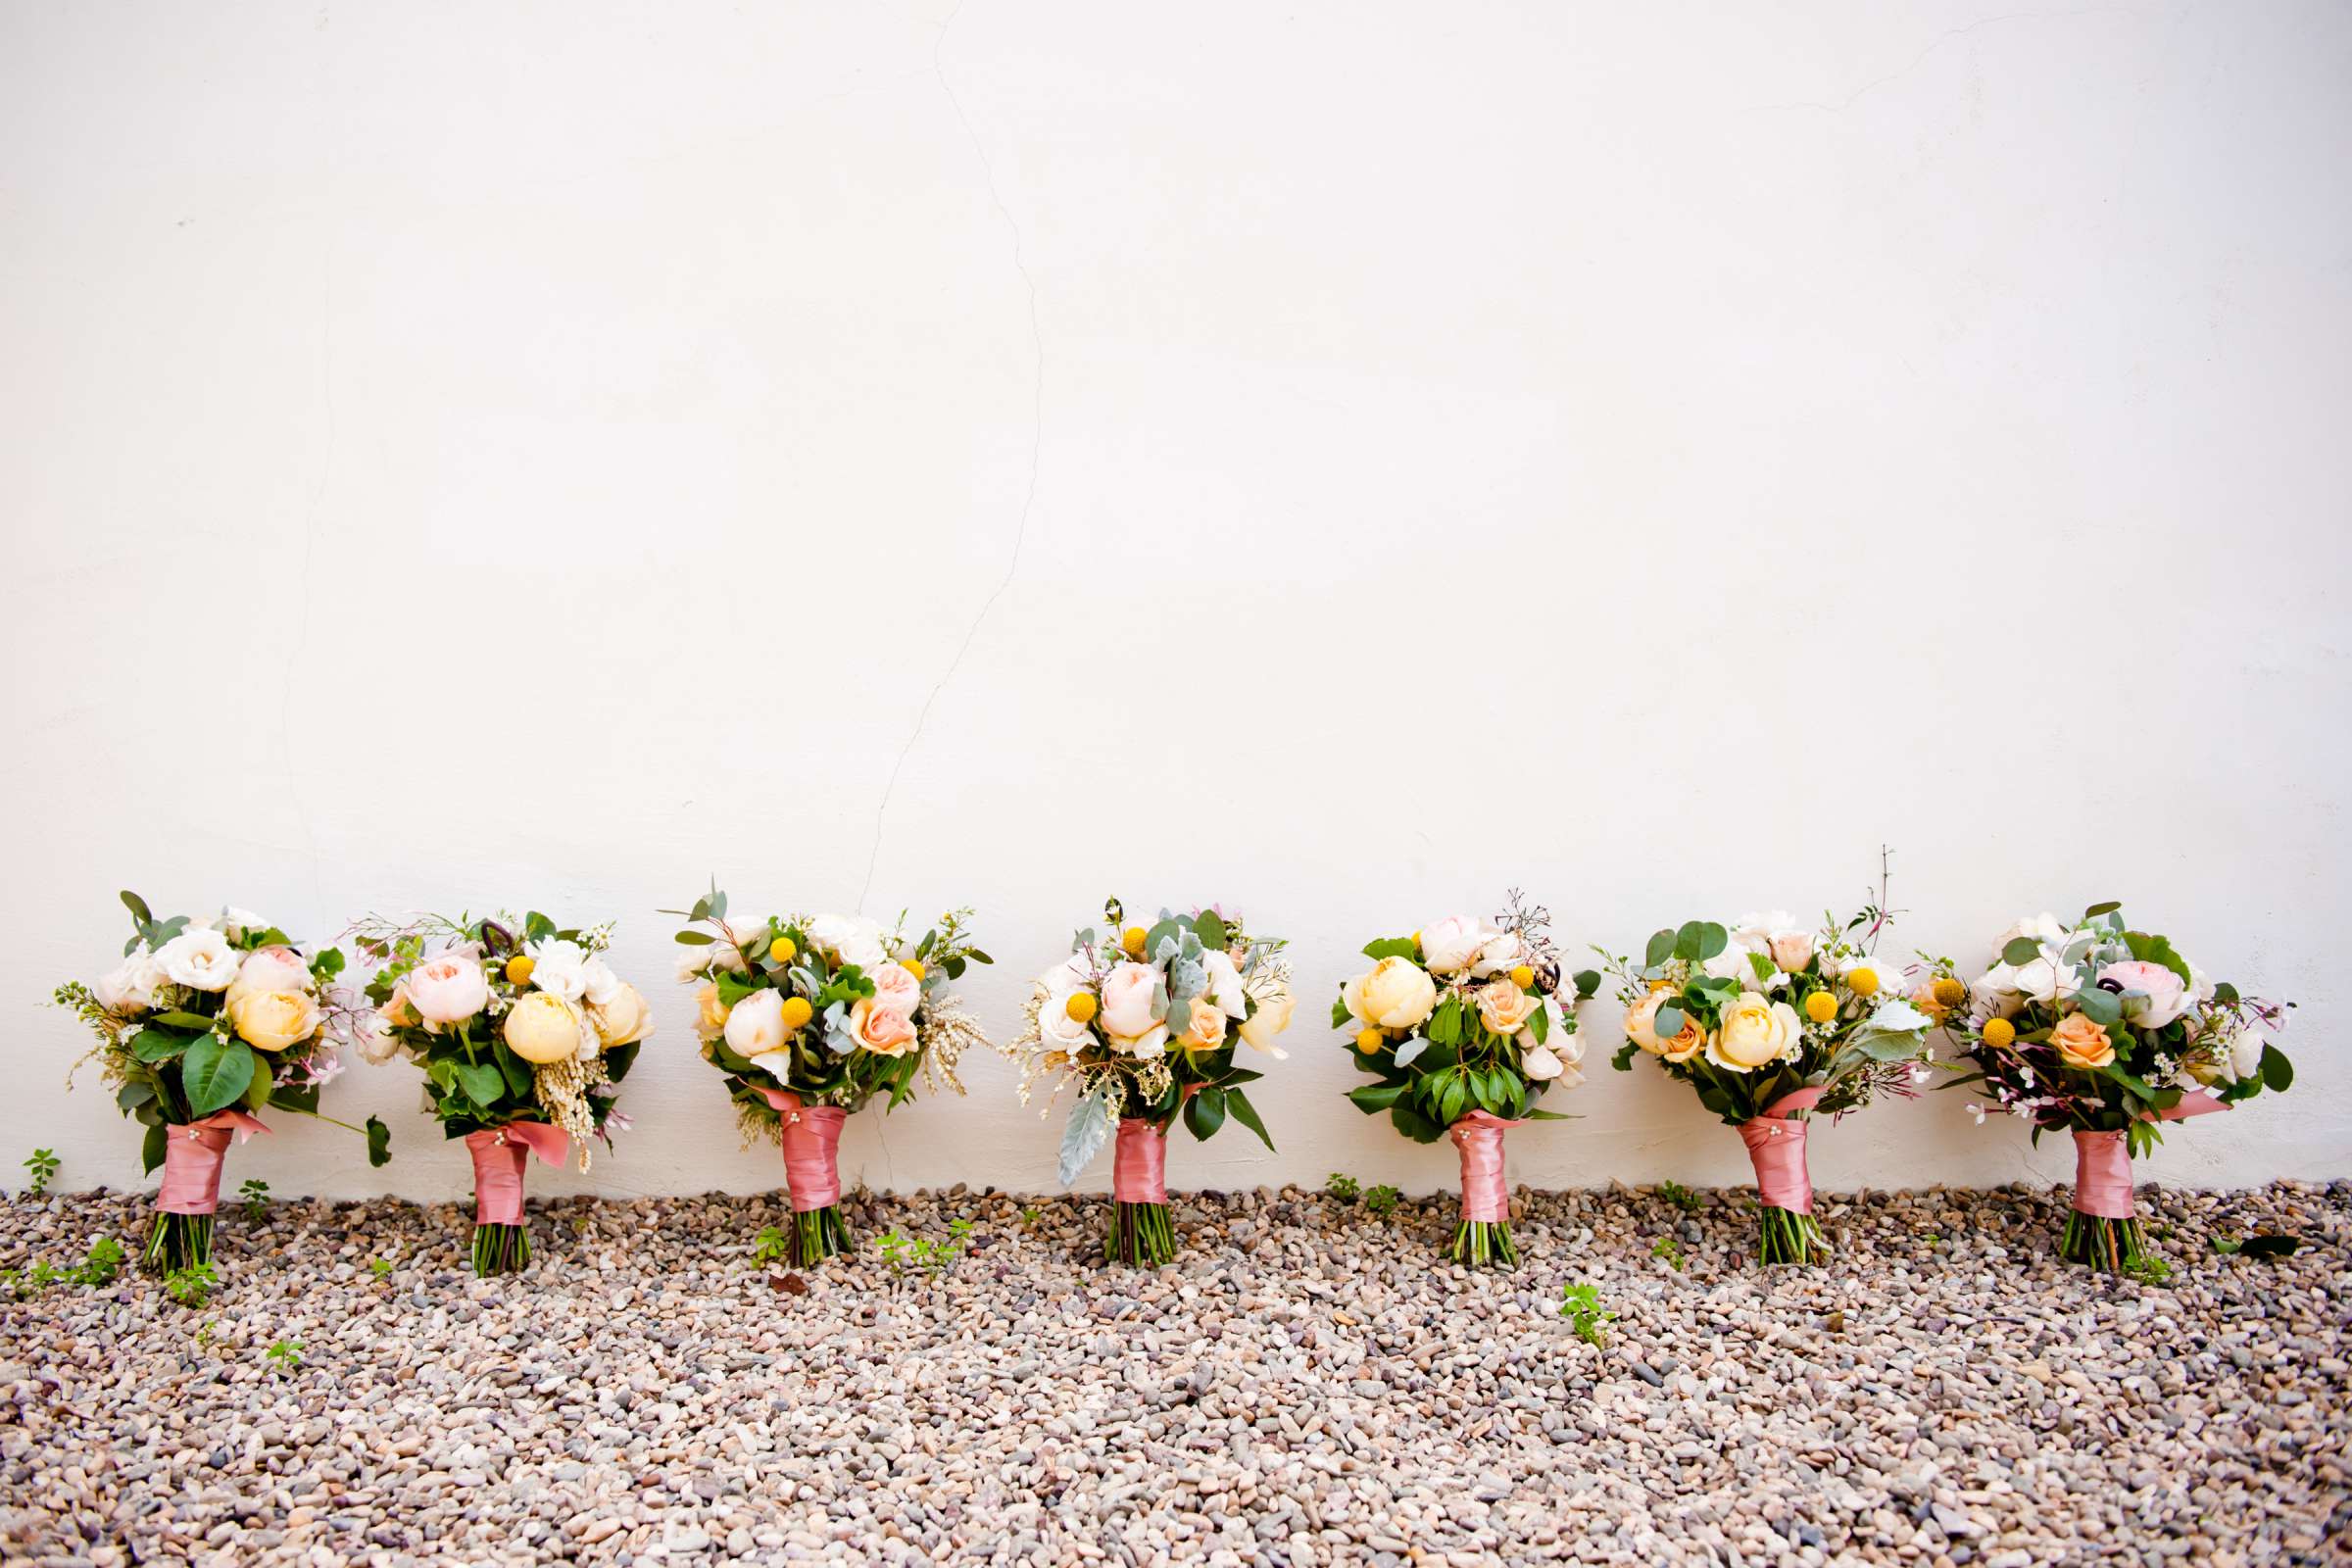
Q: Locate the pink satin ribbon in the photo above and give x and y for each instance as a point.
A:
(812, 1150)
(499, 1156)
(192, 1157)
(1776, 1147)
(1486, 1196)
(2103, 1161)
(1138, 1163)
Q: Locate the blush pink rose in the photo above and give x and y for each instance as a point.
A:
(269, 970)
(1127, 1000)
(447, 989)
(883, 1030)
(896, 987)
(2168, 997)
(1791, 950)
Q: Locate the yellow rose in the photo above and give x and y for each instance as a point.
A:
(1272, 1017)
(273, 1020)
(1504, 1007)
(2081, 1043)
(1396, 994)
(1754, 1033)
(543, 1027)
(623, 1018)
(709, 1014)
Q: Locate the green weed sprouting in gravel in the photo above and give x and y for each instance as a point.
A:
(1031, 1215)
(284, 1354)
(1681, 1197)
(1343, 1187)
(99, 1266)
(191, 1286)
(1380, 1202)
(103, 1262)
(42, 1162)
(381, 1267)
(1667, 1249)
(204, 1333)
(2150, 1268)
(770, 1245)
(1581, 1305)
(920, 1252)
(255, 1193)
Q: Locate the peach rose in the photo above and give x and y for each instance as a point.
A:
(881, 1029)
(2080, 1043)
(622, 1018)
(1205, 1029)
(1504, 1007)
(269, 970)
(709, 1014)
(897, 988)
(1923, 998)
(273, 1020)
(1127, 1000)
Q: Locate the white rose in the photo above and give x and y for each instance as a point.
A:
(1148, 1046)
(377, 1043)
(1058, 1029)
(2244, 1050)
(559, 968)
(2044, 929)
(1562, 1041)
(2045, 980)
(598, 983)
(236, 922)
(1224, 993)
(130, 987)
(200, 959)
(1501, 951)
(1539, 1063)
(755, 1025)
(1451, 945)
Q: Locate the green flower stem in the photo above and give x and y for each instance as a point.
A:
(1486, 1244)
(500, 1250)
(180, 1241)
(1140, 1234)
(819, 1234)
(2111, 1245)
(1790, 1237)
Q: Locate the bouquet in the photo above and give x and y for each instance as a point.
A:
(1145, 1022)
(1463, 1026)
(1772, 1024)
(810, 1018)
(203, 1023)
(524, 1033)
(2108, 1033)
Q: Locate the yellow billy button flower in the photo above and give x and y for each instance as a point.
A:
(1522, 976)
(1082, 1007)
(1949, 992)
(1131, 941)
(519, 967)
(797, 1013)
(2000, 1031)
(782, 949)
(913, 966)
(1863, 982)
(1821, 1007)
(1368, 1040)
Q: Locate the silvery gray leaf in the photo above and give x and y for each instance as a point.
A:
(1082, 1139)
(1407, 1049)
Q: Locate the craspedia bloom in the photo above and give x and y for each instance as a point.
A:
(796, 1014)
(1950, 992)
(1523, 977)
(1863, 981)
(1821, 1007)
(1131, 941)
(1082, 1007)
(913, 966)
(1368, 1040)
(519, 967)
(2000, 1031)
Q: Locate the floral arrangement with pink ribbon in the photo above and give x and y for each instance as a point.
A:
(524, 1033)
(811, 1016)
(2107, 1033)
(1773, 1024)
(1145, 1021)
(1463, 1025)
(206, 1021)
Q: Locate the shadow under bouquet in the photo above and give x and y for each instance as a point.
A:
(2107, 1033)
(810, 1017)
(524, 1033)
(1773, 1024)
(205, 1022)
(1465, 1025)
(1145, 1021)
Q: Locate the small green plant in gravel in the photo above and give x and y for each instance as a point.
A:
(99, 1266)
(204, 1333)
(770, 1245)
(103, 1262)
(2150, 1268)
(1581, 1305)
(1343, 1187)
(42, 1163)
(1031, 1215)
(254, 1195)
(284, 1354)
(1380, 1202)
(1681, 1197)
(1668, 1251)
(191, 1284)
(381, 1267)
(920, 1252)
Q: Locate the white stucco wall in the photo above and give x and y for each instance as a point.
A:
(1337, 459)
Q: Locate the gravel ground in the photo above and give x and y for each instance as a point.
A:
(1309, 1385)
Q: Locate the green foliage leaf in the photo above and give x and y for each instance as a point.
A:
(1339, 1016)
(2098, 910)
(214, 1073)
(186, 1020)
(1388, 947)
(1410, 1049)
(2021, 950)
(1204, 1112)
(1372, 1099)
(151, 1152)
(1661, 948)
(156, 1045)
(139, 913)
(1410, 1122)
(696, 939)
(481, 1081)
(1587, 982)
(2276, 1071)
(1209, 927)
(1246, 1114)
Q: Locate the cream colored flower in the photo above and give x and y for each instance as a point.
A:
(273, 1020)
(1395, 993)
(1754, 1033)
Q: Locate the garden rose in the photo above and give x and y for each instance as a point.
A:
(881, 1029)
(853, 939)
(623, 1018)
(598, 983)
(2045, 981)
(1224, 984)
(1791, 950)
(1539, 1065)
(1272, 1017)
(1498, 954)
(1754, 1033)
(543, 1027)
(2166, 996)
(2080, 1043)
(710, 1012)
(130, 987)
(1148, 1046)
(1504, 1007)
(1450, 945)
(273, 1020)
(755, 1025)
(1204, 1030)
(1056, 1028)
(2046, 929)
(1641, 1022)
(200, 959)
(1395, 993)
(377, 1043)
(448, 989)
(1127, 992)
(271, 969)
(559, 968)
(897, 988)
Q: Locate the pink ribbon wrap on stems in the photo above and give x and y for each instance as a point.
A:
(1776, 1147)
(1138, 1162)
(812, 1150)
(193, 1157)
(499, 1156)
(2103, 1161)
(1486, 1196)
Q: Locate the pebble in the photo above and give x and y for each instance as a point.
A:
(1305, 1386)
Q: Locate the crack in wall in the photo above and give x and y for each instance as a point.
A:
(1037, 439)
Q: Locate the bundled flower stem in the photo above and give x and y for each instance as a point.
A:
(809, 1018)
(205, 1022)
(1145, 1022)
(1465, 1025)
(2107, 1033)
(524, 1033)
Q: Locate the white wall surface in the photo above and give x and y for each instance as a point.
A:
(1339, 459)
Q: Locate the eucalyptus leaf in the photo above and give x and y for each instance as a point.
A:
(1408, 1048)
